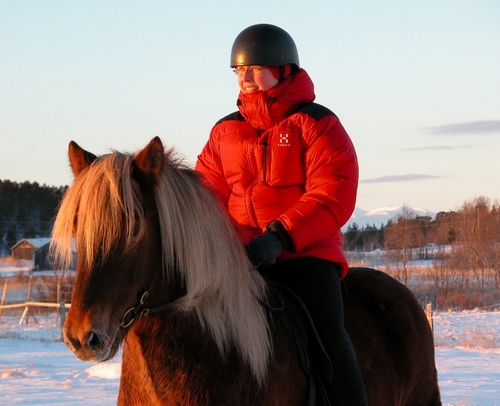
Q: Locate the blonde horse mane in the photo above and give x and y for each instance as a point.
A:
(198, 242)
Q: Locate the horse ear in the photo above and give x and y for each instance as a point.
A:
(79, 158)
(149, 162)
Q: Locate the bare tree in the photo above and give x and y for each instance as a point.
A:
(476, 250)
(444, 276)
(401, 236)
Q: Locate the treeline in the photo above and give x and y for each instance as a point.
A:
(27, 210)
(476, 219)
(471, 235)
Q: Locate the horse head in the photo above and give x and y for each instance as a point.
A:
(110, 212)
(151, 236)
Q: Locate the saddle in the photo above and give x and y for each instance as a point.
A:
(313, 359)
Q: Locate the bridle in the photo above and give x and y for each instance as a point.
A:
(137, 312)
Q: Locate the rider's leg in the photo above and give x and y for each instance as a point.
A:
(317, 283)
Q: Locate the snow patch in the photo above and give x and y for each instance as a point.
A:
(110, 370)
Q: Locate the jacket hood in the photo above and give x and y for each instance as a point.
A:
(266, 109)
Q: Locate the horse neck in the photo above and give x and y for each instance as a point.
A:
(170, 359)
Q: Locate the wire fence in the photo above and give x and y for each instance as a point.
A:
(34, 305)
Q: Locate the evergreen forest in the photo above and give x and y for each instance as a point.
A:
(27, 210)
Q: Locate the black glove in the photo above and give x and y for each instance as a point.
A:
(264, 249)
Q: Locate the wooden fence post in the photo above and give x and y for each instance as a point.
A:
(62, 314)
(58, 297)
(27, 310)
(428, 312)
(4, 293)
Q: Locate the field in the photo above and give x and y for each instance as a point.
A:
(37, 369)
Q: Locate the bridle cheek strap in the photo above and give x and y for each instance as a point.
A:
(137, 312)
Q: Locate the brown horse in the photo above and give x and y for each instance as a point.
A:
(161, 270)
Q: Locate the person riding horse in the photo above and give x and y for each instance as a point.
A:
(286, 171)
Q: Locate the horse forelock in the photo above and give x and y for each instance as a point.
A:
(95, 210)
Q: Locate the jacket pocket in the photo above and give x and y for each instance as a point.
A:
(283, 163)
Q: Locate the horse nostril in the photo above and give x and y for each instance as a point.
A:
(94, 341)
(72, 343)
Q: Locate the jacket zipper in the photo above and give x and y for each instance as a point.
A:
(264, 142)
(264, 156)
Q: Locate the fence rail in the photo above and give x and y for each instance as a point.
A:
(35, 304)
(29, 297)
(61, 313)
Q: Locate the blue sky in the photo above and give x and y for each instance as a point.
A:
(415, 83)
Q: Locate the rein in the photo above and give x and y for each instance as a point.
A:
(136, 312)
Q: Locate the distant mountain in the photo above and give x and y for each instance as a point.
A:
(381, 216)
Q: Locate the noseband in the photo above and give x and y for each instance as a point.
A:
(137, 312)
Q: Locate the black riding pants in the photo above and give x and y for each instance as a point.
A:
(317, 283)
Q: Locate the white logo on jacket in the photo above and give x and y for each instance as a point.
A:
(284, 141)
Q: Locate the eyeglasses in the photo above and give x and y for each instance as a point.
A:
(253, 70)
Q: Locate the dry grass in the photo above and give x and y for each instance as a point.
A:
(470, 339)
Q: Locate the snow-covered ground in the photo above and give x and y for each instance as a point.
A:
(35, 369)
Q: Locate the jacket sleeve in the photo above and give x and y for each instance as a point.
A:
(209, 164)
(332, 173)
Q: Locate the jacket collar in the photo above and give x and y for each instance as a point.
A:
(266, 109)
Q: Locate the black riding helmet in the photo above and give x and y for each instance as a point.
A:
(265, 45)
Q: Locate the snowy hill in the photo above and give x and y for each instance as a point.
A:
(381, 216)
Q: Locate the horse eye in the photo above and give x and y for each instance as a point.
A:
(136, 230)
(135, 233)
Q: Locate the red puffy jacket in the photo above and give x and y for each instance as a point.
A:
(283, 157)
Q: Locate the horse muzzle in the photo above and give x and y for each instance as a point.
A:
(91, 345)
